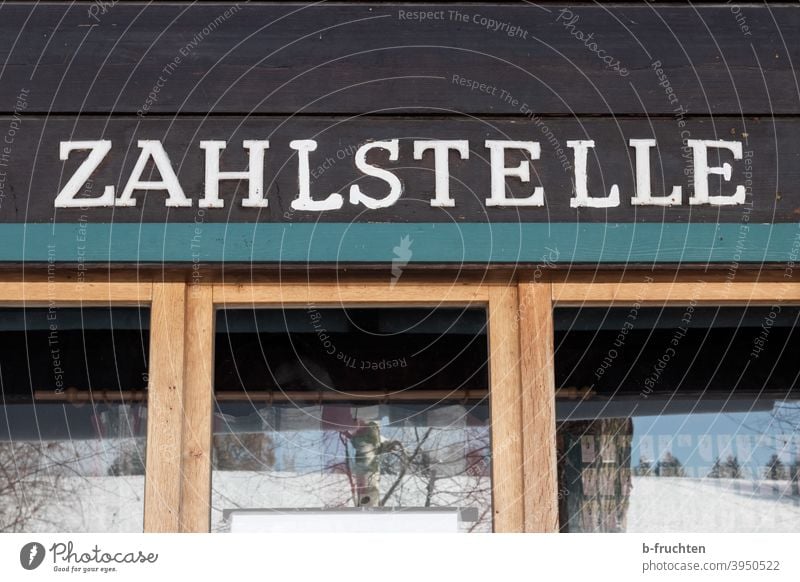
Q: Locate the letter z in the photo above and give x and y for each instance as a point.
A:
(98, 151)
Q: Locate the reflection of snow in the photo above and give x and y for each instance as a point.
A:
(668, 504)
(657, 504)
(443, 463)
(70, 486)
(91, 504)
(115, 504)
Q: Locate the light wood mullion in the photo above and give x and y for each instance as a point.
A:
(506, 416)
(198, 403)
(165, 409)
(538, 407)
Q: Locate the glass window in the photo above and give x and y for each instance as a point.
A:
(72, 419)
(330, 409)
(678, 420)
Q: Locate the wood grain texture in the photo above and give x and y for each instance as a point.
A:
(368, 294)
(665, 274)
(195, 509)
(74, 293)
(538, 407)
(36, 174)
(648, 291)
(165, 408)
(506, 411)
(363, 57)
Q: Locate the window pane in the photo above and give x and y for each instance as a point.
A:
(678, 419)
(73, 419)
(331, 409)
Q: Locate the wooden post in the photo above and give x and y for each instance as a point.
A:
(165, 409)
(198, 402)
(538, 407)
(505, 399)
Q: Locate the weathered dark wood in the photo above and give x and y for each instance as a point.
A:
(102, 57)
(33, 174)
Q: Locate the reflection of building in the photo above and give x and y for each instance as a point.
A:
(596, 475)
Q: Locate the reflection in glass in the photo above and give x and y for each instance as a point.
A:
(678, 419)
(727, 472)
(72, 419)
(360, 408)
(335, 456)
(88, 479)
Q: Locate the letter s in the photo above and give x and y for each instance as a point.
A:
(395, 187)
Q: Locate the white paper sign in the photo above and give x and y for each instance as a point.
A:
(345, 521)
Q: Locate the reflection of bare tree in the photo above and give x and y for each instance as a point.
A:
(787, 411)
(26, 484)
(395, 466)
(786, 417)
(414, 460)
(90, 485)
(435, 467)
(311, 460)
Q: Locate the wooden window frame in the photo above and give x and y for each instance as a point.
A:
(521, 363)
(57, 292)
(611, 289)
(500, 301)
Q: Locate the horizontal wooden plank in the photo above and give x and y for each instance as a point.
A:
(661, 275)
(349, 294)
(33, 173)
(538, 246)
(81, 293)
(167, 57)
(648, 291)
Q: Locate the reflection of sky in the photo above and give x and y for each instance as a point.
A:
(696, 440)
(312, 438)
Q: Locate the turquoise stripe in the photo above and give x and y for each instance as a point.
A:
(376, 243)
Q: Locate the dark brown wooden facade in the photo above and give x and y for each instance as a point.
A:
(347, 74)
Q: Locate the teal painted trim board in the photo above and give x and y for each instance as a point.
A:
(401, 243)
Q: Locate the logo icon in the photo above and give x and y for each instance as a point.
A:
(31, 555)
(402, 254)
